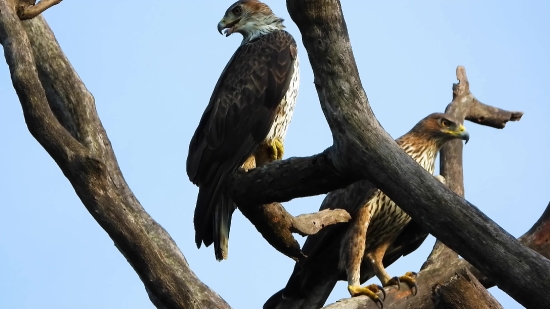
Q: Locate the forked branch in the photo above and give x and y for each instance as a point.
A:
(31, 10)
(377, 158)
(61, 115)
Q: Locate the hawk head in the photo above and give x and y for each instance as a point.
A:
(441, 128)
(251, 18)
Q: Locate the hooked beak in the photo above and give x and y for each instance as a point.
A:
(229, 26)
(463, 134)
(221, 26)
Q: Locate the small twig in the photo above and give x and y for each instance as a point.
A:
(491, 116)
(277, 225)
(37, 9)
(310, 224)
(463, 85)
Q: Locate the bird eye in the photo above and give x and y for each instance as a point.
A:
(445, 123)
(237, 10)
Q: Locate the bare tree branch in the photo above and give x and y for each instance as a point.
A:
(538, 237)
(276, 225)
(281, 181)
(39, 118)
(74, 137)
(443, 264)
(451, 295)
(28, 12)
(60, 113)
(310, 224)
(376, 157)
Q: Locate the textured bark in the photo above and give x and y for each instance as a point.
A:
(375, 156)
(276, 225)
(60, 113)
(463, 291)
(538, 237)
(438, 275)
(281, 181)
(28, 9)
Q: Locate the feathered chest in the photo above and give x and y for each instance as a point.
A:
(285, 109)
(387, 219)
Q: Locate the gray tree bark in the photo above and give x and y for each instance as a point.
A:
(60, 114)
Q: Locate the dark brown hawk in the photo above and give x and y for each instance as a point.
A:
(247, 116)
(378, 234)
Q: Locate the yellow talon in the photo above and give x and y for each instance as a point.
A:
(277, 149)
(408, 278)
(370, 290)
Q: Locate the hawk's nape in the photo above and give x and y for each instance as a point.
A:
(250, 99)
(358, 250)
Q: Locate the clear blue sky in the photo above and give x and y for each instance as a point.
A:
(152, 68)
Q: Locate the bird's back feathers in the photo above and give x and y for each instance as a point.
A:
(237, 119)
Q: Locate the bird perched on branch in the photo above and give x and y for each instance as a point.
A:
(378, 234)
(247, 116)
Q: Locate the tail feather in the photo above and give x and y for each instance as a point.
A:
(314, 297)
(213, 218)
(222, 224)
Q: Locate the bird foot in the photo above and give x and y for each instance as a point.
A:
(409, 278)
(276, 150)
(370, 290)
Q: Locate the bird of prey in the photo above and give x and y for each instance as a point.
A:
(378, 234)
(247, 116)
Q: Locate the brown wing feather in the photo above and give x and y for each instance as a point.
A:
(237, 119)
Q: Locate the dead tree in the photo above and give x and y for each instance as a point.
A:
(60, 114)
(444, 279)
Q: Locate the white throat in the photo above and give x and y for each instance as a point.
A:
(254, 28)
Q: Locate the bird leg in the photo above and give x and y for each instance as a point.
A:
(351, 255)
(376, 257)
(249, 164)
(269, 152)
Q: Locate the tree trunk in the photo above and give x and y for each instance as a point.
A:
(60, 113)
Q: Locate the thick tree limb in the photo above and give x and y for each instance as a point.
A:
(272, 220)
(538, 237)
(376, 157)
(281, 181)
(443, 263)
(60, 114)
(72, 134)
(441, 266)
(463, 291)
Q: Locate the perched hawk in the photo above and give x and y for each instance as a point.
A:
(378, 234)
(247, 116)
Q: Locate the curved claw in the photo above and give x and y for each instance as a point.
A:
(414, 289)
(409, 279)
(380, 303)
(395, 281)
(370, 291)
(412, 285)
(382, 290)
